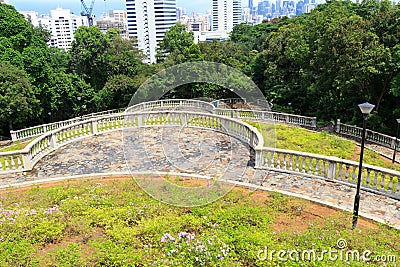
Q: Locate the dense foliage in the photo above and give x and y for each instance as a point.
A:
(319, 64)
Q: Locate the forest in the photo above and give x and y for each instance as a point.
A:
(319, 64)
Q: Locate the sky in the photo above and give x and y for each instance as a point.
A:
(100, 6)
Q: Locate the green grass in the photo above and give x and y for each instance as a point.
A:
(299, 139)
(18, 145)
(100, 223)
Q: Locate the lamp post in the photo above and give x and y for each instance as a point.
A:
(395, 142)
(366, 109)
(79, 101)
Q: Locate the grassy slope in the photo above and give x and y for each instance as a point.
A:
(114, 223)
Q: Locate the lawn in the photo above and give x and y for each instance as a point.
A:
(113, 223)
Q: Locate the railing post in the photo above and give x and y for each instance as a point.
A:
(26, 161)
(93, 126)
(314, 122)
(139, 120)
(287, 118)
(331, 169)
(53, 140)
(338, 126)
(258, 159)
(13, 136)
(393, 143)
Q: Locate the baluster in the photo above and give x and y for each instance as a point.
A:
(19, 162)
(291, 162)
(12, 162)
(297, 163)
(6, 163)
(390, 185)
(316, 167)
(284, 161)
(303, 165)
(323, 170)
(310, 166)
(353, 176)
(272, 159)
(346, 175)
(368, 179)
(383, 182)
(278, 162)
(1, 166)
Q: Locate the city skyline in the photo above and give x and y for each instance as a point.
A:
(101, 6)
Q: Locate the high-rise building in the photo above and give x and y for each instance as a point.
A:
(196, 23)
(226, 14)
(114, 19)
(61, 23)
(148, 20)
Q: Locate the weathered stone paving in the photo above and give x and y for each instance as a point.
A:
(195, 151)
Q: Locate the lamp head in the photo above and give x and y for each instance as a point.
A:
(366, 108)
(398, 121)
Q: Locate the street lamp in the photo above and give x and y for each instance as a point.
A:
(366, 109)
(395, 142)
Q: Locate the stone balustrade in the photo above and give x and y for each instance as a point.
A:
(269, 116)
(172, 103)
(375, 179)
(177, 104)
(379, 180)
(35, 131)
(370, 136)
(24, 160)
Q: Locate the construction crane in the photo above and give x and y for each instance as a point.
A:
(87, 11)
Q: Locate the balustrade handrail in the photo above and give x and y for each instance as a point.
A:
(269, 116)
(26, 158)
(35, 131)
(376, 179)
(370, 136)
(41, 129)
(171, 103)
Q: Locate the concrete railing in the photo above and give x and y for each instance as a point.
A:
(35, 131)
(175, 104)
(375, 179)
(370, 136)
(269, 116)
(25, 160)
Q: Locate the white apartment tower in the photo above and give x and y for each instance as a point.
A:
(62, 25)
(148, 20)
(226, 14)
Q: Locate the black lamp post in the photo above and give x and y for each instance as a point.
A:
(366, 109)
(395, 142)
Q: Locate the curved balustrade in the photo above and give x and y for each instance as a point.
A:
(44, 128)
(376, 179)
(177, 104)
(24, 160)
(380, 180)
(370, 136)
(172, 103)
(269, 116)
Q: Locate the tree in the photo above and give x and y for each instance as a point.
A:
(175, 40)
(85, 55)
(18, 103)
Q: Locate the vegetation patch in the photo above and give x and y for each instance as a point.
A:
(113, 223)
